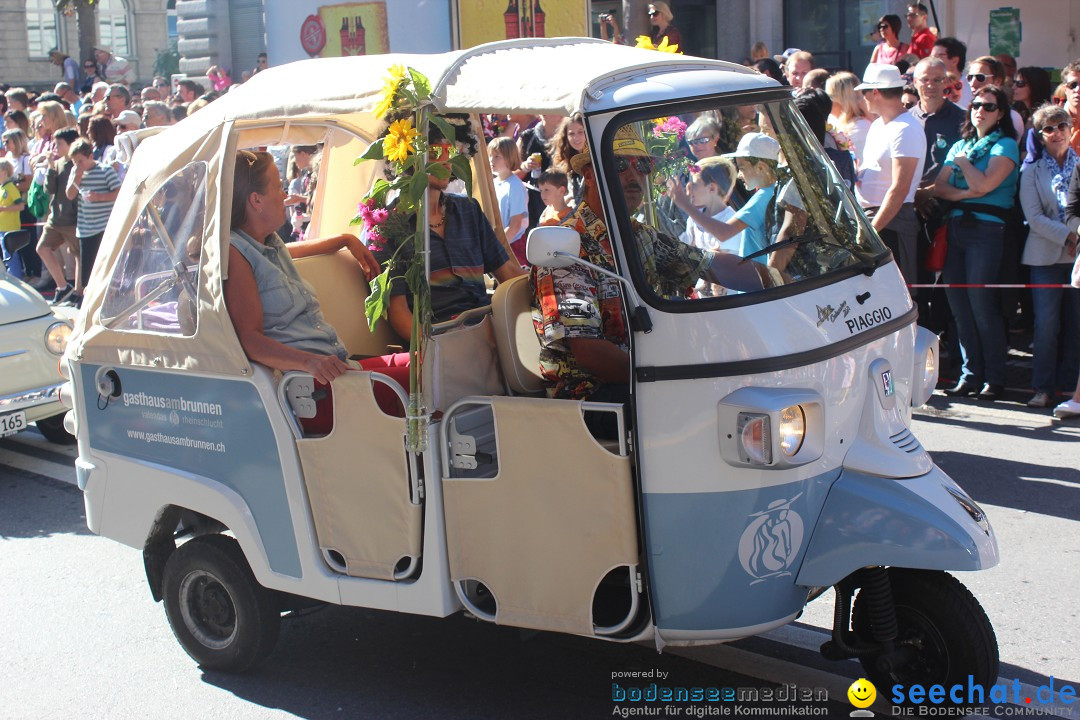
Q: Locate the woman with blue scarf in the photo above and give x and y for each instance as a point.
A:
(1050, 251)
(979, 178)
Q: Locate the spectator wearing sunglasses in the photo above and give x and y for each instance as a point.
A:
(92, 76)
(660, 17)
(890, 49)
(1070, 79)
(922, 37)
(953, 53)
(980, 180)
(1031, 90)
(988, 70)
(1050, 252)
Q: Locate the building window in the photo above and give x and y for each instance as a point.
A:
(113, 26)
(41, 28)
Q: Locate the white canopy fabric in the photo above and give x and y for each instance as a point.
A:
(315, 101)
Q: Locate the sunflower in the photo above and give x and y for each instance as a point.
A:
(398, 143)
(645, 42)
(389, 91)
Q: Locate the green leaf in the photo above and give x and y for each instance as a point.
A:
(374, 152)
(438, 170)
(445, 128)
(463, 171)
(356, 221)
(421, 83)
(376, 303)
(378, 191)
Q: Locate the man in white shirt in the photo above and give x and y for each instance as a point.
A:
(892, 164)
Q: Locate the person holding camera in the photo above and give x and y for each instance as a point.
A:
(609, 29)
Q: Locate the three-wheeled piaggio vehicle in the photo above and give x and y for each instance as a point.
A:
(765, 457)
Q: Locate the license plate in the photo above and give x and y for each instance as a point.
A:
(12, 423)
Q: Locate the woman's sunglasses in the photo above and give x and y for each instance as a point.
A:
(987, 106)
(699, 141)
(883, 26)
(1049, 129)
(653, 13)
(1019, 82)
(1058, 100)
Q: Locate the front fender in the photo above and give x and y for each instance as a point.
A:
(927, 522)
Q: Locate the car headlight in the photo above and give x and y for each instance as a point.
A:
(792, 429)
(56, 337)
(930, 369)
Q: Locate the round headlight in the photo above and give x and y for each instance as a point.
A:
(792, 429)
(56, 337)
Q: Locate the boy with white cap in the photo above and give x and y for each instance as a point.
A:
(892, 164)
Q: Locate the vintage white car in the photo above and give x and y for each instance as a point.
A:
(32, 339)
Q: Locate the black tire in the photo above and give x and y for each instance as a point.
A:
(220, 614)
(942, 627)
(53, 430)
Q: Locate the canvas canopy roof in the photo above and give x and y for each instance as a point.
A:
(305, 102)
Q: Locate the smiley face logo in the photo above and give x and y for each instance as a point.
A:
(862, 693)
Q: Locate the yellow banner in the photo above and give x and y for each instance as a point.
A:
(483, 21)
(355, 29)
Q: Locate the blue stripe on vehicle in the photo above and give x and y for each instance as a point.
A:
(215, 428)
(727, 560)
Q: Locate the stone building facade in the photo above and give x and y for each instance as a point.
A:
(137, 29)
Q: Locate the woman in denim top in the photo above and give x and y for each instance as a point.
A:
(275, 313)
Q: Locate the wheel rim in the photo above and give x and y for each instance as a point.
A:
(926, 654)
(207, 609)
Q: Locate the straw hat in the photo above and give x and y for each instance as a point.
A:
(627, 142)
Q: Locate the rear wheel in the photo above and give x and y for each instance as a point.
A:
(944, 634)
(53, 430)
(218, 611)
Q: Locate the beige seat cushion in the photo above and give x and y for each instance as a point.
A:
(515, 337)
(341, 288)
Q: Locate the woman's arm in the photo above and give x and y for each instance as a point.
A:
(245, 310)
(942, 189)
(328, 245)
(1048, 227)
(980, 183)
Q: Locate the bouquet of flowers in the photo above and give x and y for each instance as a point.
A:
(671, 159)
(393, 225)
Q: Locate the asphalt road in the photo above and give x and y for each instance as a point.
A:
(81, 638)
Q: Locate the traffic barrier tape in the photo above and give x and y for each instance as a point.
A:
(990, 286)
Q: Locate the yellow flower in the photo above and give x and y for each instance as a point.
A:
(645, 42)
(398, 143)
(390, 89)
(664, 47)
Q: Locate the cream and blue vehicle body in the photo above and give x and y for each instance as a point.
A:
(766, 456)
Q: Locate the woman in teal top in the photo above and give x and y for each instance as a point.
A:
(979, 178)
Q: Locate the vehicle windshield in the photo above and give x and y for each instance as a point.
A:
(735, 199)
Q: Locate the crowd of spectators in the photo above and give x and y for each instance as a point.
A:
(64, 150)
(980, 155)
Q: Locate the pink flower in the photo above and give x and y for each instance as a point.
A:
(674, 125)
(378, 216)
(696, 169)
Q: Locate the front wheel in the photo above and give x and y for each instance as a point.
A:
(54, 431)
(218, 611)
(944, 634)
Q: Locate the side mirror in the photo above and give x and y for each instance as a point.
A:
(553, 246)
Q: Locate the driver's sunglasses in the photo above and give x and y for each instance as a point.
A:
(644, 165)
